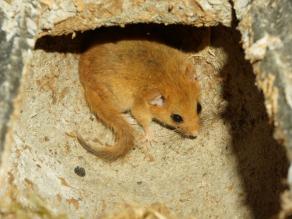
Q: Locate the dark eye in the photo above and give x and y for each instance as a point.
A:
(176, 118)
(199, 108)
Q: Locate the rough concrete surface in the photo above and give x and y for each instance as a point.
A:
(17, 34)
(232, 170)
(266, 35)
(235, 169)
(64, 17)
(267, 43)
(6, 80)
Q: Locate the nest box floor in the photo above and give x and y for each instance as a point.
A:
(232, 170)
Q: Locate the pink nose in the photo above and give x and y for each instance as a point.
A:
(194, 133)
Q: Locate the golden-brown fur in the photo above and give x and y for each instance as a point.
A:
(147, 78)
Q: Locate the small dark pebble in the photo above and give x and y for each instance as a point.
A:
(80, 171)
(139, 182)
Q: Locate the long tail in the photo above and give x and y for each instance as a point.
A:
(112, 118)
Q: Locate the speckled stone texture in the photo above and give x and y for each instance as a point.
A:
(64, 17)
(266, 34)
(235, 169)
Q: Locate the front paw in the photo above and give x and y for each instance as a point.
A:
(147, 138)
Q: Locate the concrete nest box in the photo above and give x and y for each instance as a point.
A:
(238, 165)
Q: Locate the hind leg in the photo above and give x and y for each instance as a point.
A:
(100, 104)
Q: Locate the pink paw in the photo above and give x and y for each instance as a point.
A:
(147, 139)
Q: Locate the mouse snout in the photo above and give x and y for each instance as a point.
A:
(190, 133)
(193, 134)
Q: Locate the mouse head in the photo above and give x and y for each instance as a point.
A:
(175, 103)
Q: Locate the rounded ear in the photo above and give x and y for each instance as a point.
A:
(190, 70)
(156, 99)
